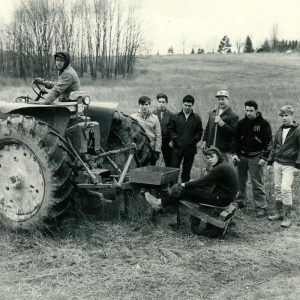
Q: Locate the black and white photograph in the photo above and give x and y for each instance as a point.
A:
(149, 149)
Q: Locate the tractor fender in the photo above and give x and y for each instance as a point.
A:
(103, 113)
(56, 116)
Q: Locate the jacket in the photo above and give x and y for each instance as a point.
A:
(253, 138)
(225, 133)
(164, 121)
(152, 129)
(223, 180)
(287, 153)
(185, 134)
(67, 82)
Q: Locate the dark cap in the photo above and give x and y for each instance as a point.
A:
(189, 99)
(60, 55)
(214, 150)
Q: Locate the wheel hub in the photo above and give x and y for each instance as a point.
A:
(21, 181)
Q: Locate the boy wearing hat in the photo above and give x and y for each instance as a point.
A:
(285, 158)
(185, 131)
(164, 116)
(221, 125)
(68, 80)
(218, 187)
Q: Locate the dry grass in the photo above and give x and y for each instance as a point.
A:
(95, 259)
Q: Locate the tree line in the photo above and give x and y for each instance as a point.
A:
(102, 37)
(269, 45)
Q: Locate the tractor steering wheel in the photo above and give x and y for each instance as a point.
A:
(39, 90)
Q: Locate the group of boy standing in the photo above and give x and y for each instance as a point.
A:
(247, 144)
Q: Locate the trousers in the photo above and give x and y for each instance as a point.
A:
(283, 179)
(250, 165)
(166, 152)
(187, 164)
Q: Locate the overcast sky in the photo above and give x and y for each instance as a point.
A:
(202, 23)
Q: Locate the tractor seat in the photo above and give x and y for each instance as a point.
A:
(77, 95)
(74, 99)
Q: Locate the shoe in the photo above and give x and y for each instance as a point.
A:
(153, 201)
(287, 216)
(279, 212)
(261, 212)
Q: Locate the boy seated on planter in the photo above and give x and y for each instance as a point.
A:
(218, 187)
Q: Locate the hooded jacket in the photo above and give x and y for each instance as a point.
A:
(253, 137)
(67, 82)
(222, 178)
(287, 153)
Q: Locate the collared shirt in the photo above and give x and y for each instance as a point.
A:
(164, 117)
(186, 115)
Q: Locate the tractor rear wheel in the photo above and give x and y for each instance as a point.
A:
(35, 173)
(124, 131)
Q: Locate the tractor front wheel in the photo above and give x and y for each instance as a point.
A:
(35, 173)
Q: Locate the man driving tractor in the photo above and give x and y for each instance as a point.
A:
(68, 80)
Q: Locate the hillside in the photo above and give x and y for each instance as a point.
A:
(271, 79)
(94, 257)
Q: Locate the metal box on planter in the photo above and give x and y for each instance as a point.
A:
(154, 175)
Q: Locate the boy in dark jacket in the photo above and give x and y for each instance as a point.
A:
(185, 131)
(285, 157)
(251, 149)
(221, 126)
(218, 187)
(164, 117)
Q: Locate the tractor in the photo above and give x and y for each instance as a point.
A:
(49, 153)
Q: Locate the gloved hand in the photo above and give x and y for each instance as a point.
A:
(175, 190)
(203, 146)
(155, 155)
(235, 159)
(38, 80)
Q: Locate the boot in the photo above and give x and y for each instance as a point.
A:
(287, 216)
(153, 201)
(195, 222)
(279, 212)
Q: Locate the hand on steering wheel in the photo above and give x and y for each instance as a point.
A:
(38, 89)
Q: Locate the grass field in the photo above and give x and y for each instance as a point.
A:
(92, 257)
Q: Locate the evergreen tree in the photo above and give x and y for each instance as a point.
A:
(266, 46)
(248, 45)
(224, 46)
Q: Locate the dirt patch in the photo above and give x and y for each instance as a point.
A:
(89, 259)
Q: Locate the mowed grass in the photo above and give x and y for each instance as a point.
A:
(87, 258)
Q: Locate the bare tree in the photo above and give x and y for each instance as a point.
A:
(102, 36)
(239, 44)
(274, 37)
(183, 42)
